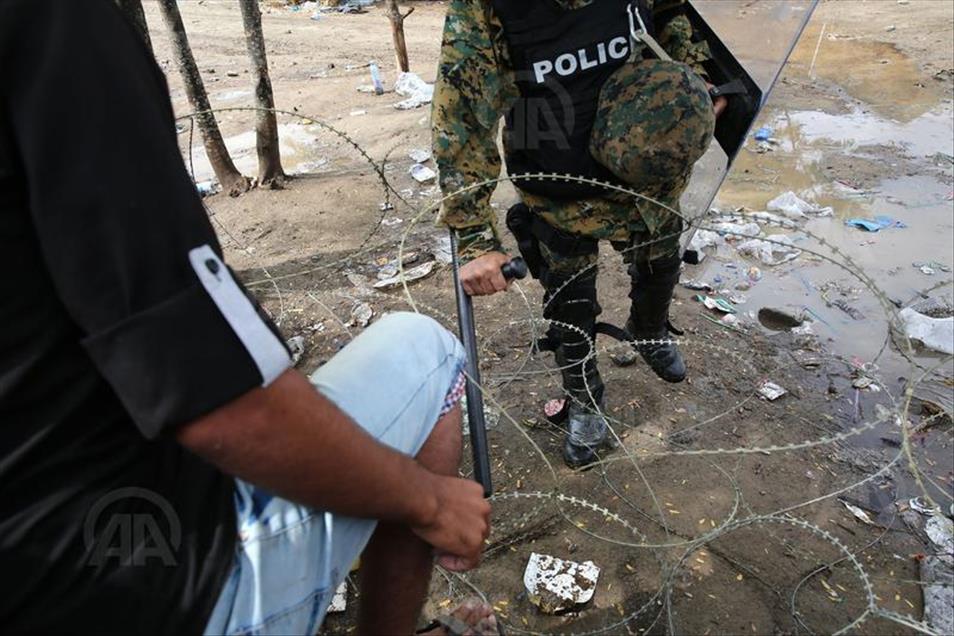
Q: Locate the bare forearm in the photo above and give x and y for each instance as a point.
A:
(290, 439)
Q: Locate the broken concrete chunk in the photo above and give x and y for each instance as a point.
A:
(555, 585)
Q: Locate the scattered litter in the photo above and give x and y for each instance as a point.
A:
(361, 315)
(933, 333)
(843, 305)
(864, 383)
(754, 274)
(738, 299)
(876, 224)
(555, 585)
(358, 113)
(918, 504)
(716, 304)
(937, 583)
(417, 91)
(771, 391)
(731, 320)
(804, 329)
(420, 155)
(778, 319)
(422, 174)
(696, 285)
(763, 134)
(792, 206)
(296, 344)
(389, 270)
(376, 82)
(858, 513)
(410, 275)
(774, 250)
(339, 602)
(932, 267)
(391, 222)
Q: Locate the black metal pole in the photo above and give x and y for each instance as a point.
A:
(475, 398)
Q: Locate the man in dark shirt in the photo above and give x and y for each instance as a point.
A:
(142, 393)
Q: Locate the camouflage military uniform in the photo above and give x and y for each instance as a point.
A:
(476, 87)
(653, 120)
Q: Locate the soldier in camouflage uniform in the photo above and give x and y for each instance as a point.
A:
(628, 118)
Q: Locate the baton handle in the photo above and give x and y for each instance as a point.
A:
(516, 268)
(475, 399)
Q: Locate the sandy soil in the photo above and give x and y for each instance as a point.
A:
(719, 512)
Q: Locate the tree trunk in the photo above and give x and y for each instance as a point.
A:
(397, 33)
(270, 171)
(229, 177)
(132, 9)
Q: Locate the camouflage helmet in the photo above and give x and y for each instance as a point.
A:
(654, 121)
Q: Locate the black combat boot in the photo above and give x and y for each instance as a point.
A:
(652, 288)
(571, 303)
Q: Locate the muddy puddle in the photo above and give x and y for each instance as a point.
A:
(304, 149)
(905, 174)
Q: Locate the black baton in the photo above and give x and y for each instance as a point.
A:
(516, 268)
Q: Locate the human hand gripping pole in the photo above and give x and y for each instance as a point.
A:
(516, 268)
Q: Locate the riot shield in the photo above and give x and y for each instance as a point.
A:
(750, 42)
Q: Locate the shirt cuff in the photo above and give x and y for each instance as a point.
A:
(191, 354)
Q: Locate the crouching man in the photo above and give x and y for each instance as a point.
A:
(162, 468)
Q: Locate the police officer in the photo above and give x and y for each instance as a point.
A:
(582, 97)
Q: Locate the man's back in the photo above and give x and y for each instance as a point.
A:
(97, 523)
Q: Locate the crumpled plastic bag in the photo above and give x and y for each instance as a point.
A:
(933, 333)
(417, 91)
(774, 250)
(792, 206)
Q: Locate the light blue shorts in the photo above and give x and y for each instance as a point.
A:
(394, 381)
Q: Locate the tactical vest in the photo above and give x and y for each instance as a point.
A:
(561, 58)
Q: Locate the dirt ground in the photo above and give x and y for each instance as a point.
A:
(719, 512)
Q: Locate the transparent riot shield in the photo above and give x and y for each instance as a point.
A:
(750, 40)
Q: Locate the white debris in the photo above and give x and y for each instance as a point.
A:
(339, 602)
(442, 250)
(774, 250)
(420, 155)
(296, 344)
(705, 238)
(791, 206)
(771, 391)
(737, 231)
(358, 113)
(422, 174)
(919, 505)
(417, 91)
(858, 513)
(933, 333)
(361, 315)
(556, 585)
(409, 275)
(940, 530)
